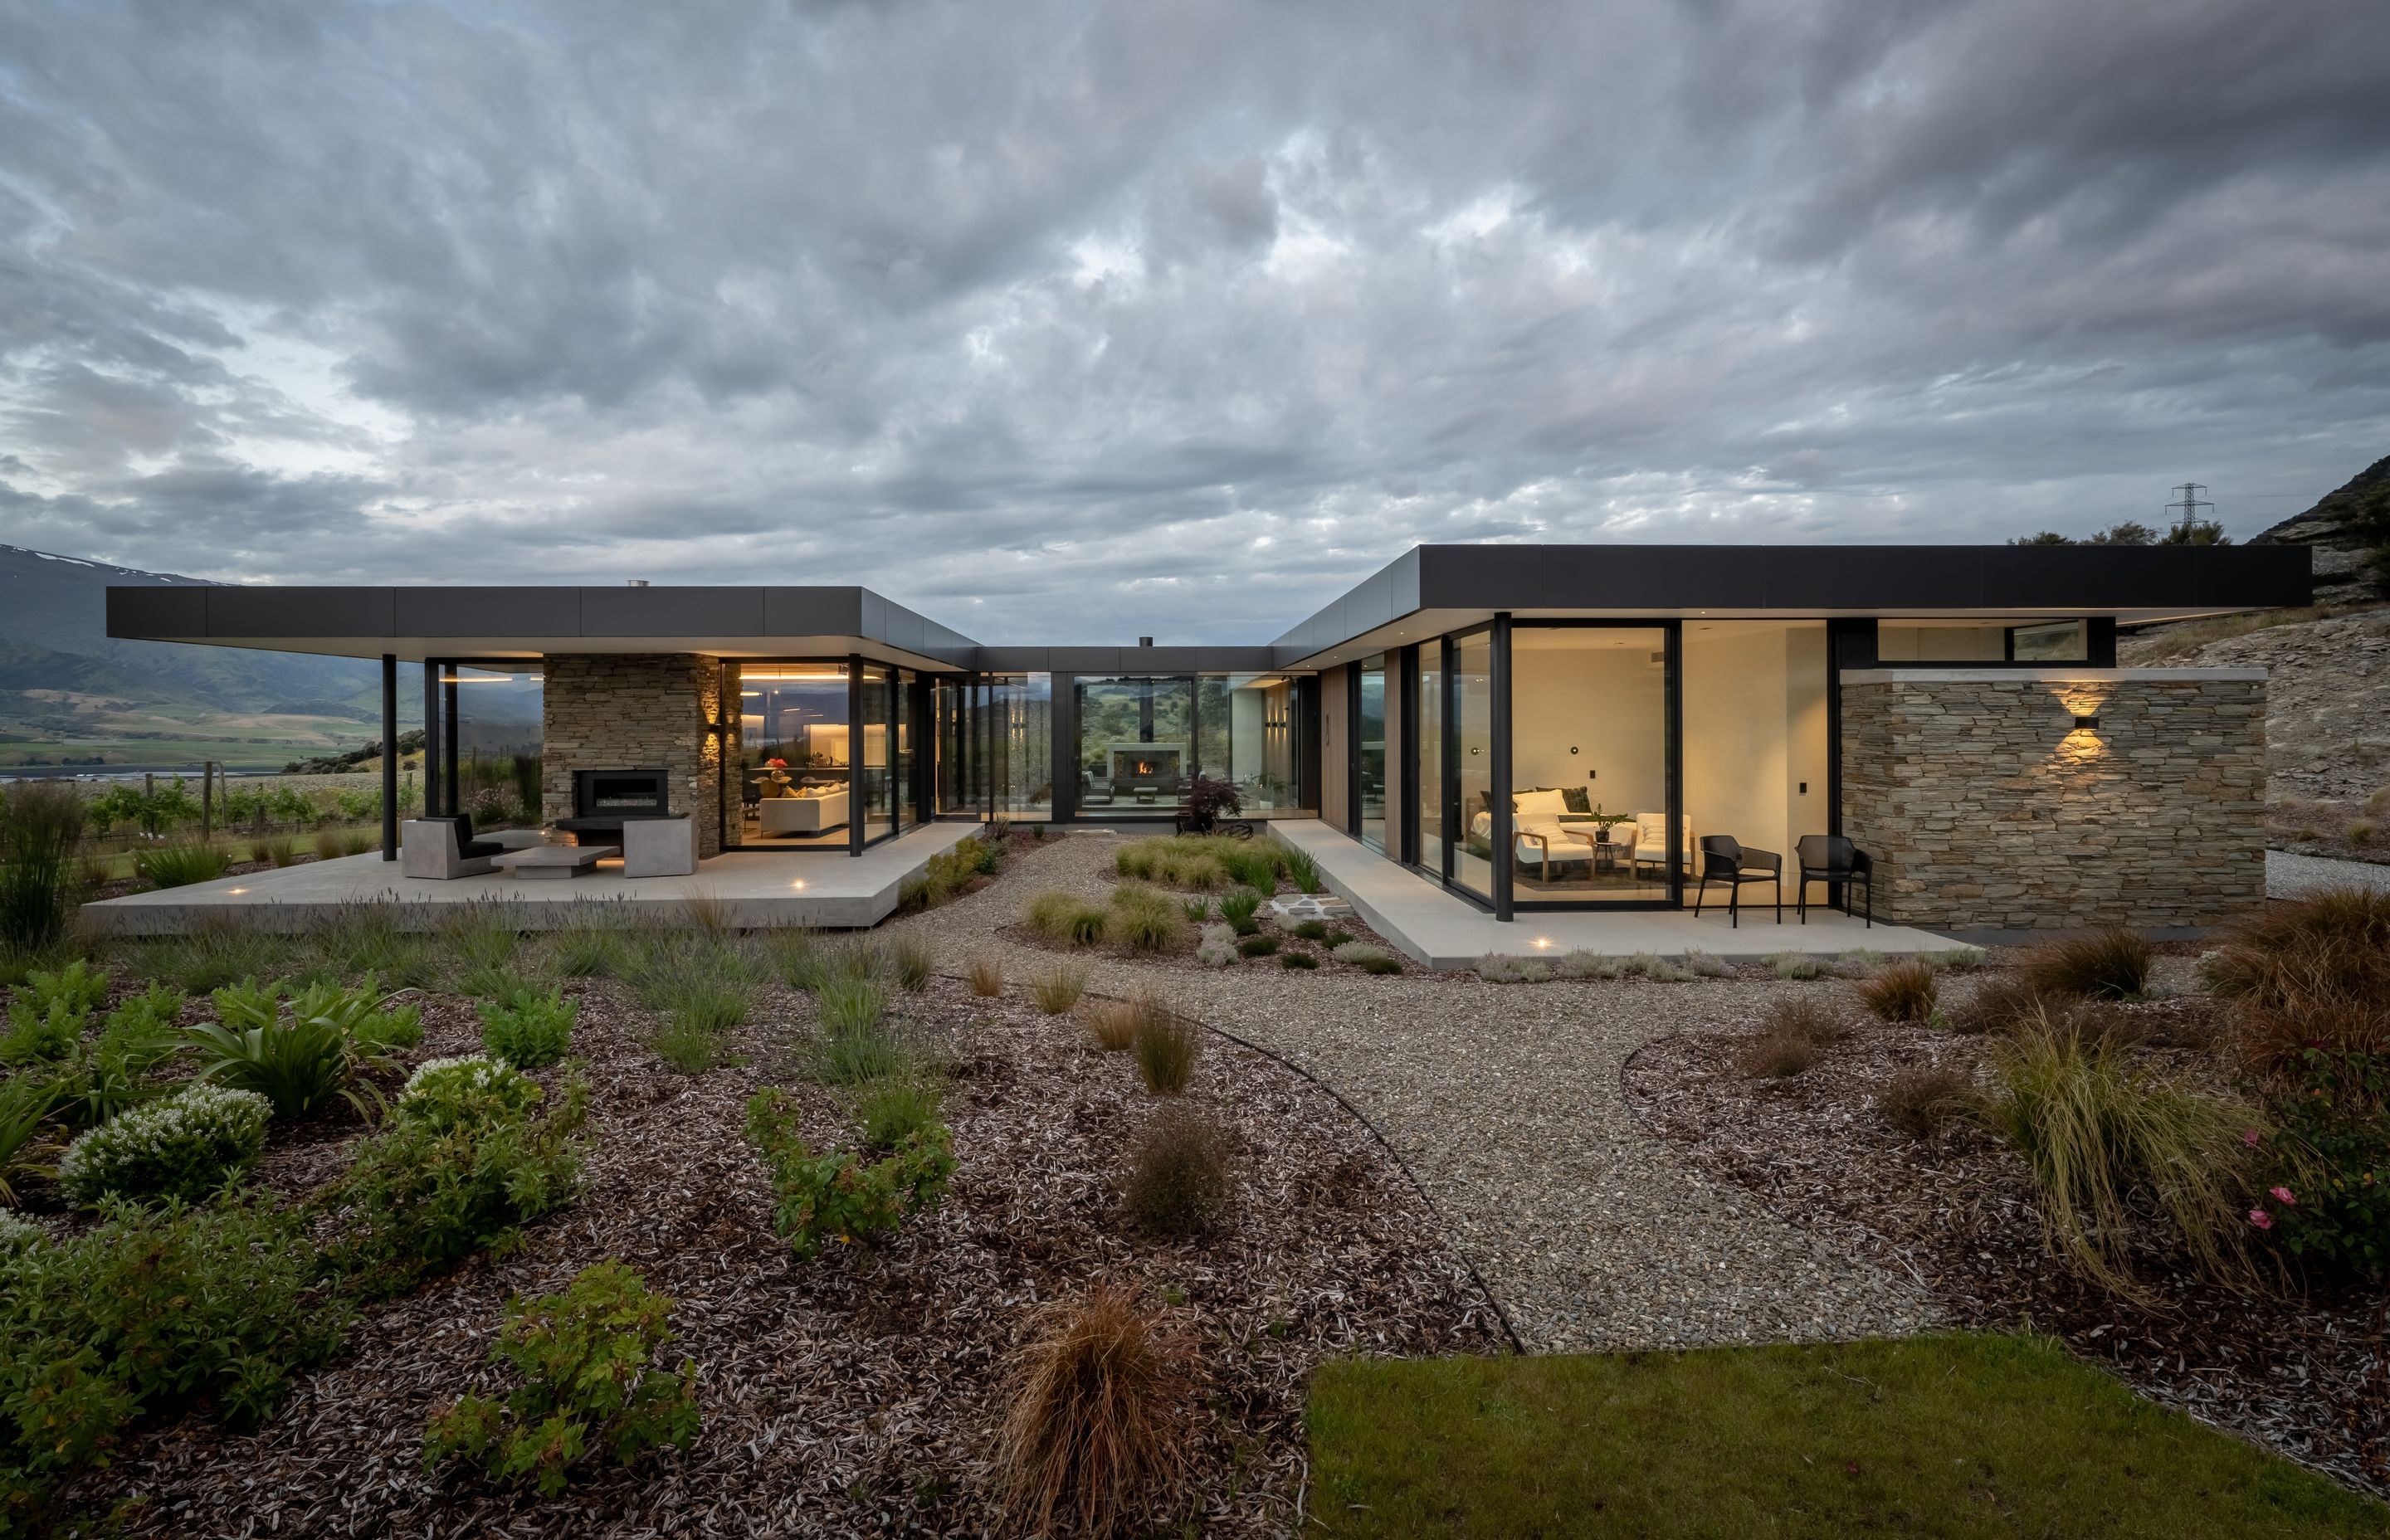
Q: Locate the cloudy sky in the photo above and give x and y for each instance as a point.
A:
(1071, 321)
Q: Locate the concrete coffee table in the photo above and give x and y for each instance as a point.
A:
(550, 862)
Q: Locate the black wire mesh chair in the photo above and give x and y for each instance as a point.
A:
(1832, 859)
(1728, 859)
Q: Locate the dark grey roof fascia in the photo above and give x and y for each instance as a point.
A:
(1812, 580)
(366, 622)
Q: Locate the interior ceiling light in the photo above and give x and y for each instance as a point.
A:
(751, 675)
(477, 678)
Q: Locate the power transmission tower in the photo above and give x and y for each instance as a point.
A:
(2189, 505)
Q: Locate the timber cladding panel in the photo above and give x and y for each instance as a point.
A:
(1985, 807)
(632, 711)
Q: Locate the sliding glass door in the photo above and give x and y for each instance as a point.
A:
(1589, 788)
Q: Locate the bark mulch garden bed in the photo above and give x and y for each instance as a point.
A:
(2307, 1376)
(857, 1393)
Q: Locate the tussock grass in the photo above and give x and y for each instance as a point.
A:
(2098, 1133)
(1903, 991)
(276, 850)
(2105, 965)
(895, 1108)
(179, 861)
(984, 972)
(1923, 1099)
(2314, 973)
(1177, 1173)
(2002, 1005)
(1095, 1439)
(911, 961)
(1064, 918)
(1143, 919)
(1111, 1023)
(1791, 1038)
(1165, 1045)
(1058, 987)
(798, 956)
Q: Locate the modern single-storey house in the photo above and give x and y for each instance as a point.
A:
(1529, 727)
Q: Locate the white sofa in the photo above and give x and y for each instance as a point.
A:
(1545, 831)
(801, 815)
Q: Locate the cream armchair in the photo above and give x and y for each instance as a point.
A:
(1651, 840)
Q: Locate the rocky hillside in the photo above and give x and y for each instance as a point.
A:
(2328, 721)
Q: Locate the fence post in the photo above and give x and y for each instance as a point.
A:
(206, 801)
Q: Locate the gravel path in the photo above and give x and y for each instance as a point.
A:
(1506, 1103)
(2289, 876)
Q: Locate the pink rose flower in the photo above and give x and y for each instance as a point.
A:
(2260, 1218)
(2282, 1195)
(2249, 1137)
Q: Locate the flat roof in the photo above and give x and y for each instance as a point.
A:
(1426, 591)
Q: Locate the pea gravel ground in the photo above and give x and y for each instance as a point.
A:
(1506, 1103)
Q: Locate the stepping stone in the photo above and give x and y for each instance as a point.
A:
(1305, 906)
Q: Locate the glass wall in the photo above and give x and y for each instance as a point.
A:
(1136, 743)
(1756, 737)
(1981, 641)
(1472, 752)
(1429, 741)
(495, 739)
(1369, 745)
(1589, 764)
(1245, 735)
(794, 771)
(875, 776)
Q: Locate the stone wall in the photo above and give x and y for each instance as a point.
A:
(632, 711)
(1985, 807)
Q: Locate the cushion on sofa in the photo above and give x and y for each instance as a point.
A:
(1577, 801)
(1540, 804)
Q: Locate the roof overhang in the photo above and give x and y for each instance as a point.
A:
(1433, 589)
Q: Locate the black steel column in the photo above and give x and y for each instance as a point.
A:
(389, 756)
(448, 749)
(1063, 744)
(1353, 749)
(431, 803)
(1500, 686)
(1672, 691)
(858, 734)
(1405, 776)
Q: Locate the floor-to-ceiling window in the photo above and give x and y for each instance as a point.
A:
(1589, 764)
(794, 773)
(1429, 746)
(874, 766)
(1245, 734)
(1369, 750)
(1757, 739)
(1135, 747)
(1472, 751)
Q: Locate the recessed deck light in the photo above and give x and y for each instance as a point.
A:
(1542, 941)
(236, 889)
(798, 884)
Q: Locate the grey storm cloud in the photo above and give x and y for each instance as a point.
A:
(1074, 321)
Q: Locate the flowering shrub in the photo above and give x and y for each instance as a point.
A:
(835, 1196)
(527, 1028)
(2329, 1204)
(586, 1357)
(1218, 948)
(17, 1235)
(181, 1148)
(466, 1158)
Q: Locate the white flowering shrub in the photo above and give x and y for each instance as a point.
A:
(1218, 948)
(1361, 952)
(448, 1093)
(1702, 965)
(1497, 969)
(19, 1235)
(184, 1145)
(1582, 964)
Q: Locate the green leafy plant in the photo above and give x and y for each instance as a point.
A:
(301, 1054)
(1309, 930)
(26, 1104)
(586, 1358)
(1304, 872)
(1196, 909)
(528, 1029)
(836, 1195)
(1252, 865)
(39, 1036)
(2106, 964)
(895, 1108)
(146, 1312)
(139, 1036)
(1258, 946)
(76, 984)
(467, 1156)
(179, 1148)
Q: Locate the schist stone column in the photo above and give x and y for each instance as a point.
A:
(632, 711)
(1986, 806)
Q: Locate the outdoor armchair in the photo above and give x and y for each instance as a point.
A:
(1832, 859)
(1726, 860)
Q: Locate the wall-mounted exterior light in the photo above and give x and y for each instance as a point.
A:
(2086, 723)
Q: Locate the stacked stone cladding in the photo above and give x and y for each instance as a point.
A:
(1985, 807)
(634, 711)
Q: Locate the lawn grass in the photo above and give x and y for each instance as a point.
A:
(1960, 1434)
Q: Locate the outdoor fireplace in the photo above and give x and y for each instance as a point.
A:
(603, 799)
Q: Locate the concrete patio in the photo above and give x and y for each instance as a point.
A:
(1443, 932)
(749, 890)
